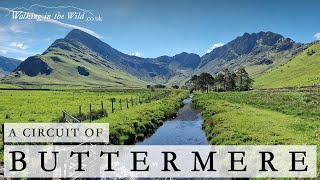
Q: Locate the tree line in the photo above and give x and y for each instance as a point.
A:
(225, 81)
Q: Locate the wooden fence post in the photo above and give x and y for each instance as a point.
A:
(90, 113)
(63, 116)
(2, 126)
(80, 118)
(120, 104)
(102, 111)
(112, 109)
(127, 103)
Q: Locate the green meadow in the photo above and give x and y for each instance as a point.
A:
(145, 112)
(261, 117)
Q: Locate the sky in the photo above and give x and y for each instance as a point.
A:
(152, 28)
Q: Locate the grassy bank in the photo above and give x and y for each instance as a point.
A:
(261, 118)
(138, 123)
(145, 112)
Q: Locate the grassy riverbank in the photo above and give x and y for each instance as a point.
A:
(261, 118)
(137, 123)
(145, 112)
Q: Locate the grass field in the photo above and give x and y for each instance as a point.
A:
(303, 70)
(9, 86)
(126, 126)
(261, 118)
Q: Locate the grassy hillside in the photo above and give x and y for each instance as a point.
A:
(71, 63)
(303, 70)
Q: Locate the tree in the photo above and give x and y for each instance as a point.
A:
(244, 81)
(229, 80)
(219, 80)
(193, 83)
(205, 81)
(226, 81)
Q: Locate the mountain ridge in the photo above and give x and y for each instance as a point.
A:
(262, 51)
(81, 52)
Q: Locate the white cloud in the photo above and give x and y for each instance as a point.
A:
(3, 51)
(214, 46)
(17, 51)
(22, 58)
(70, 26)
(15, 27)
(138, 54)
(18, 45)
(317, 36)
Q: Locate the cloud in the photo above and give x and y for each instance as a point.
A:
(70, 26)
(3, 51)
(138, 54)
(15, 27)
(18, 45)
(15, 50)
(22, 58)
(214, 46)
(317, 36)
(41, 18)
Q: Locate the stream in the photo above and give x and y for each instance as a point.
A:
(184, 129)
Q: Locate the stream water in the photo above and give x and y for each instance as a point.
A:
(185, 129)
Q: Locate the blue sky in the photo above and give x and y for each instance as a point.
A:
(151, 28)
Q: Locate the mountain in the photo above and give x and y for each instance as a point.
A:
(69, 62)
(257, 52)
(303, 70)
(82, 59)
(7, 65)
(181, 66)
(158, 70)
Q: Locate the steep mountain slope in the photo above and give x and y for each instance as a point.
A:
(68, 62)
(258, 52)
(133, 65)
(158, 70)
(303, 70)
(181, 65)
(82, 59)
(7, 65)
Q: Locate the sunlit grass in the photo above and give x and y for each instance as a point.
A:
(261, 118)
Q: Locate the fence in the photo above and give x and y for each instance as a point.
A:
(123, 103)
